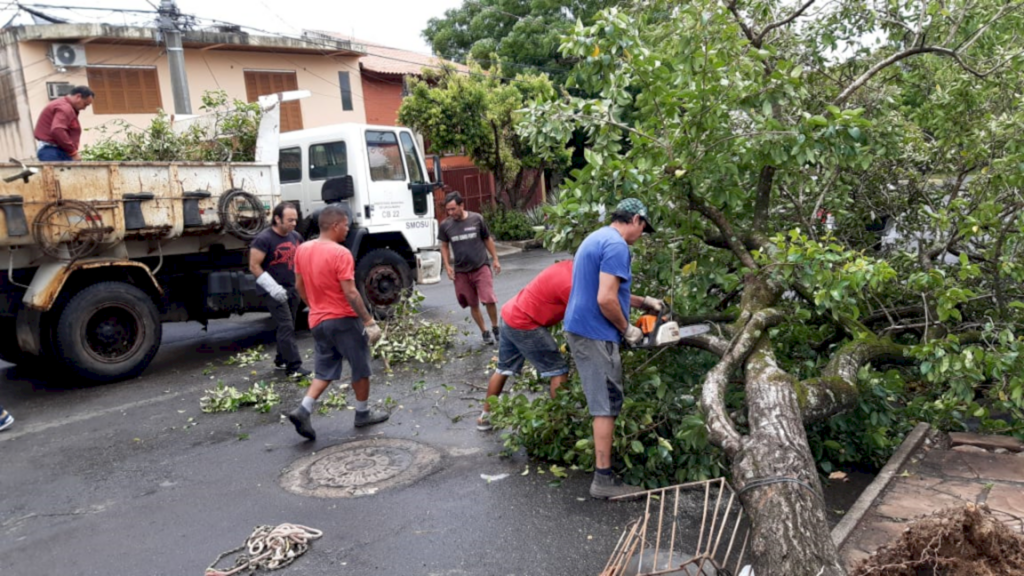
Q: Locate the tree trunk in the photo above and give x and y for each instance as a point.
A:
(773, 470)
(777, 478)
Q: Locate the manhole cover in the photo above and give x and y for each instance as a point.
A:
(360, 468)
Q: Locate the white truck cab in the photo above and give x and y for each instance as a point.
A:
(379, 174)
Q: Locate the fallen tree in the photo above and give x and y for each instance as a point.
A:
(845, 181)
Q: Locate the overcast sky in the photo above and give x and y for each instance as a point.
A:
(394, 23)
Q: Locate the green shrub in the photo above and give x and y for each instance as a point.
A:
(507, 224)
(660, 438)
(229, 136)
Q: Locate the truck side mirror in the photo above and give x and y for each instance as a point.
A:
(338, 189)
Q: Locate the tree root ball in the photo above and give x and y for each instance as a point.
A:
(966, 541)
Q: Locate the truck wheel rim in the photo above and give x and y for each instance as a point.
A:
(383, 285)
(112, 333)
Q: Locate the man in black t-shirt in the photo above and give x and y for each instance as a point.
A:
(272, 262)
(470, 241)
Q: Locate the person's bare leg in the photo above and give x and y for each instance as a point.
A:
(557, 382)
(362, 389)
(492, 311)
(317, 388)
(474, 311)
(604, 428)
(494, 388)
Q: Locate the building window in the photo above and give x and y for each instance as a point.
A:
(289, 165)
(385, 156)
(8, 97)
(328, 161)
(346, 90)
(260, 83)
(133, 90)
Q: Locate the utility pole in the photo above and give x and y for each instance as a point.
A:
(168, 23)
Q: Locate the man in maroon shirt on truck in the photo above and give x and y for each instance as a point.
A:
(58, 131)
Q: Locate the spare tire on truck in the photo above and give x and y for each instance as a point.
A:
(383, 277)
(108, 331)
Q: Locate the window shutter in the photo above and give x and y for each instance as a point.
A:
(259, 83)
(125, 90)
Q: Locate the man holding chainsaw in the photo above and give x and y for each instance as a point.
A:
(597, 320)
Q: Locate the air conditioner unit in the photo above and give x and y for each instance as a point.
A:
(57, 89)
(67, 55)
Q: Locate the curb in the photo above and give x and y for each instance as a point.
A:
(867, 498)
(506, 248)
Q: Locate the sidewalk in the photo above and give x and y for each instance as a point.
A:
(971, 468)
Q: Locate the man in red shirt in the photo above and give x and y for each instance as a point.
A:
(58, 131)
(524, 334)
(342, 328)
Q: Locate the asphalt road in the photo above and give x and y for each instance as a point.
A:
(133, 479)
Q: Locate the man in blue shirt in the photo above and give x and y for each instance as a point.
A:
(596, 320)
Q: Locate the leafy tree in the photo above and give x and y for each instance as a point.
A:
(524, 34)
(475, 112)
(837, 188)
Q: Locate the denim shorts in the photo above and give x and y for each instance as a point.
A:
(340, 339)
(537, 345)
(600, 368)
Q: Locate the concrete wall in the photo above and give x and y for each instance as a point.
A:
(16, 139)
(207, 70)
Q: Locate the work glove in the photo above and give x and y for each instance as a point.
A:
(653, 304)
(267, 282)
(373, 333)
(632, 335)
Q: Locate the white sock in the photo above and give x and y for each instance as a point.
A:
(362, 405)
(308, 402)
(485, 415)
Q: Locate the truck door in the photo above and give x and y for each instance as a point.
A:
(420, 228)
(389, 199)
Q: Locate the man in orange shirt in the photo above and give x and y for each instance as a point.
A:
(342, 328)
(57, 131)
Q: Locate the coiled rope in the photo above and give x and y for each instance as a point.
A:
(270, 547)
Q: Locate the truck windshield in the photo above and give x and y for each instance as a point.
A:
(385, 156)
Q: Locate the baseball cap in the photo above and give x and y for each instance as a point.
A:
(635, 206)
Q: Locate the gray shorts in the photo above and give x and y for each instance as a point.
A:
(600, 368)
(340, 339)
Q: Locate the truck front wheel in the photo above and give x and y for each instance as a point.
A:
(108, 331)
(382, 276)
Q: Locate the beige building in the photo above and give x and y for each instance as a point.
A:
(127, 68)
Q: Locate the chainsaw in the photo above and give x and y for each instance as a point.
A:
(661, 330)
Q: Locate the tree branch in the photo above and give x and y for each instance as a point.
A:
(783, 22)
(721, 430)
(835, 391)
(763, 201)
(718, 219)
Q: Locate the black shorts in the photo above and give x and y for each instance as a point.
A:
(340, 339)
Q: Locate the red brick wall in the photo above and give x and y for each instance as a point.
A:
(382, 96)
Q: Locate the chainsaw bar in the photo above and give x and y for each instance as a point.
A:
(693, 330)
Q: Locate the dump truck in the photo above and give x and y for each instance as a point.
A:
(100, 254)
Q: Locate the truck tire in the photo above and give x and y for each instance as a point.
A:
(108, 331)
(382, 277)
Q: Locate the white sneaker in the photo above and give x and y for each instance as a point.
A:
(6, 420)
